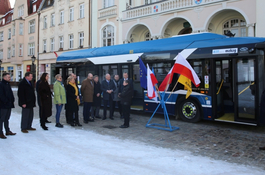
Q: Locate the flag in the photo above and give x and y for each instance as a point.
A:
(55, 54)
(154, 87)
(183, 67)
(143, 74)
(166, 82)
(151, 81)
(187, 84)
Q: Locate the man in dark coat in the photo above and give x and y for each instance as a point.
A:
(6, 103)
(108, 88)
(117, 99)
(125, 77)
(96, 98)
(126, 98)
(262, 111)
(26, 100)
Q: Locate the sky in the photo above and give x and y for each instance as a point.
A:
(12, 3)
(71, 150)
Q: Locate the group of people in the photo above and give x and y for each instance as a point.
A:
(117, 91)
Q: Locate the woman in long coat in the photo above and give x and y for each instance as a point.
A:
(45, 99)
(72, 96)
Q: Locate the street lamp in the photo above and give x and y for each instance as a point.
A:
(33, 58)
(1, 69)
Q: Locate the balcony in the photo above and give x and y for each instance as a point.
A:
(108, 12)
(163, 7)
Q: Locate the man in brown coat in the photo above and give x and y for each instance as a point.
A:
(87, 91)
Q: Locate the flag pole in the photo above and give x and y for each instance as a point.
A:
(157, 91)
(173, 89)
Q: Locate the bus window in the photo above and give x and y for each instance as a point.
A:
(161, 70)
(202, 69)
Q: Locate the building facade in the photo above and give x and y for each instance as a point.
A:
(64, 26)
(19, 38)
(162, 19)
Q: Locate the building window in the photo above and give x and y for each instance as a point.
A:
(34, 8)
(61, 17)
(20, 10)
(108, 36)
(14, 29)
(71, 17)
(44, 45)
(1, 36)
(4, 21)
(71, 41)
(108, 3)
(61, 42)
(32, 26)
(20, 49)
(21, 26)
(81, 39)
(45, 22)
(31, 48)
(9, 52)
(52, 20)
(81, 11)
(235, 26)
(10, 71)
(13, 51)
(1, 54)
(52, 44)
(9, 33)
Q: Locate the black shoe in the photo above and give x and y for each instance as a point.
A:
(111, 118)
(124, 126)
(98, 117)
(85, 121)
(59, 125)
(44, 128)
(72, 124)
(104, 118)
(262, 148)
(47, 121)
(78, 124)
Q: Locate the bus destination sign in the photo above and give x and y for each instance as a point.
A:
(225, 51)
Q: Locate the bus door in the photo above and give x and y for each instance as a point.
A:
(245, 91)
(224, 90)
(235, 90)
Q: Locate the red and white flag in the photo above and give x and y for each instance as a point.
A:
(55, 54)
(183, 67)
(167, 81)
(151, 81)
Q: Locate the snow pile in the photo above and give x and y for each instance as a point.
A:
(77, 151)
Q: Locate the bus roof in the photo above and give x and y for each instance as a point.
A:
(201, 40)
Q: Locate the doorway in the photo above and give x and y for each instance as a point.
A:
(235, 90)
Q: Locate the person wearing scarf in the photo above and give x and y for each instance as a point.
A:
(73, 101)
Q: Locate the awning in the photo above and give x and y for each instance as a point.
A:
(127, 58)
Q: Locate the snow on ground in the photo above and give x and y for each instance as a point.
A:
(76, 151)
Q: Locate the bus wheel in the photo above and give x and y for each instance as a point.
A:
(189, 111)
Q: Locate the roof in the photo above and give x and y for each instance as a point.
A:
(202, 40)
(4, 7)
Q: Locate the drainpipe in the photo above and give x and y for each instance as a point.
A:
(38, 49)
(89, 24)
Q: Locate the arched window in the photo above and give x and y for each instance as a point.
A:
(236, 26)
(108, 36)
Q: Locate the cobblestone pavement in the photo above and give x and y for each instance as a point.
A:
(222, 141)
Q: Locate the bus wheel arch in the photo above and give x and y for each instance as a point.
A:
(189, 110)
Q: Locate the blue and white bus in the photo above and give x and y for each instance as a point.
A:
(231, 71)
